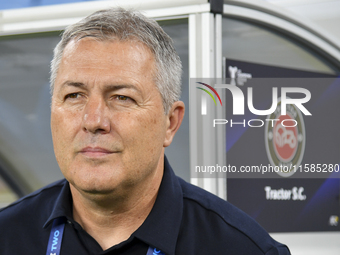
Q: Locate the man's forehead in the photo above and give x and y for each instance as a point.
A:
(91, 61)
(110, 54)
(92, 53)
(86, 44)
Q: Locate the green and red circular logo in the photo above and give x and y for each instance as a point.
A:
(285, 139)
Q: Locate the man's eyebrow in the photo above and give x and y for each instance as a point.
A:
(73, 84)
(107, 87)
(121, 86)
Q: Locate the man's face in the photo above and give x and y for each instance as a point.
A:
(107, 119)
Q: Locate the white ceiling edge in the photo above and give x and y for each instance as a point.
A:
(313, 9)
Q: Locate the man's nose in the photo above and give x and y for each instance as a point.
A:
(95, 117)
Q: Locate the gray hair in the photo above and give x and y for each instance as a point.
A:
(121, 24)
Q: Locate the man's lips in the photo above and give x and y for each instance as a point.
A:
(95, 152)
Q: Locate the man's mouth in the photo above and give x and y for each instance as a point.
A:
(94, 152)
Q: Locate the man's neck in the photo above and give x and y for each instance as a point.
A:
(113, 220)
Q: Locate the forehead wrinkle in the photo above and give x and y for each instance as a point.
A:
(121, 86)
(110, 87)
(73, 84)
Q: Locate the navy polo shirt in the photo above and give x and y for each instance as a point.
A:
(184, 220)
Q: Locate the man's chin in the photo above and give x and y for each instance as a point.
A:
(93, 188)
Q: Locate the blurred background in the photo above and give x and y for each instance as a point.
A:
(294, 36)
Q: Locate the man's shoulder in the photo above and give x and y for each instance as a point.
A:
(210, 202)
(22, 222)
(216, 215)
(206, 201)
(32, 203)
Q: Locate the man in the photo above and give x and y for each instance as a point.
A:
(115, 83)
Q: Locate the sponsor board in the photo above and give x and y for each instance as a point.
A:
(281, 148)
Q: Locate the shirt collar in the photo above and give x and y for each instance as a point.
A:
(62, 206)
(161, 227)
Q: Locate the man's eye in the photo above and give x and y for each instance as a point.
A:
(72, 96)
(122, 98)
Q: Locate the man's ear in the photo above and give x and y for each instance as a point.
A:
(174, 120)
